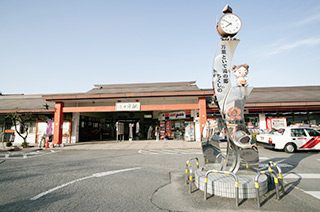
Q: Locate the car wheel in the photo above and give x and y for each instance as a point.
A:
(290, 148)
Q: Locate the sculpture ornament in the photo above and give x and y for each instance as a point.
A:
(230, 101)
(241, 72)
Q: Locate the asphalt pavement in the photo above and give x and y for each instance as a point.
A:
(118, 145)
(148, 178)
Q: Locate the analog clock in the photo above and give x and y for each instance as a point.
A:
(228, 25)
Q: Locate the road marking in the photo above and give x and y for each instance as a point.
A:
(316, 194)
(101, 174)
(187, 152)
(170, 152)
(147, 152)
(21, 156)
(292, 175)
(263, 158)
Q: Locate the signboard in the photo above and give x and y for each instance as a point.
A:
(128, 106)
(161, 117)
(177, 115)
(173, 115)
(276, 123)
(168, 128)
(162, 129)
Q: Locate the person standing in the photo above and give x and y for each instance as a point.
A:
(42, 143)
(157, 133)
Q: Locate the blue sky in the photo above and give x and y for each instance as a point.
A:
(68, 46)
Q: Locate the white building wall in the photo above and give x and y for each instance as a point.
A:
(18, 140)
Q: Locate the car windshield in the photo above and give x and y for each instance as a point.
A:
(279, 131)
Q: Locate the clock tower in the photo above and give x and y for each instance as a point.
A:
(229, 24)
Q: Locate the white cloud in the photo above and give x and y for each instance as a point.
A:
(305, 42)
(308, 20)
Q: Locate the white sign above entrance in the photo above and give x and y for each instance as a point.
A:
(128, 106)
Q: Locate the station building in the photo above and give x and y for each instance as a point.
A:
(179, 109)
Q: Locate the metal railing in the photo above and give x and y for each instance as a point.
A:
(206, 160)
(221, 155)
(276, 181)
(226, 173)
(189, 177)
(280, 176)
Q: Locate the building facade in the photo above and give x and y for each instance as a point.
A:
(177, 110)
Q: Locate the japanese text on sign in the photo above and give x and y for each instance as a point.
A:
(128, 106)
(221, 76)
(224, 64)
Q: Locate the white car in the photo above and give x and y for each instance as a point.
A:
(291, 139)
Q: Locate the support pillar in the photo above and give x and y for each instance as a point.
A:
(262, 121)
(58, 122)
(202, 113)
(75, 127)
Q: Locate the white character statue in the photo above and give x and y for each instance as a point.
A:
(241, 72)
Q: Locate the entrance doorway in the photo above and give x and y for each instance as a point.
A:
(102, 126)
(131, 128)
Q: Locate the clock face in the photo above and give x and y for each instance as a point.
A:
(230, 23)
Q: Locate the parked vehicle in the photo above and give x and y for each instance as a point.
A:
(291, 139)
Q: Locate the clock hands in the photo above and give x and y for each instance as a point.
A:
(228, 23)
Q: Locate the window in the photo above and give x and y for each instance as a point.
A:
(298, 133)
(277, 131)
(313, 132)
(32, 127)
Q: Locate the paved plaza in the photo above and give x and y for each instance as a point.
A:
(124, 145)
(137, 176)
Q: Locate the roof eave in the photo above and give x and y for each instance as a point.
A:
(27, 111)
(203, 93)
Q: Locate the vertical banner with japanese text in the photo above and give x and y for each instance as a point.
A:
(221, 69)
